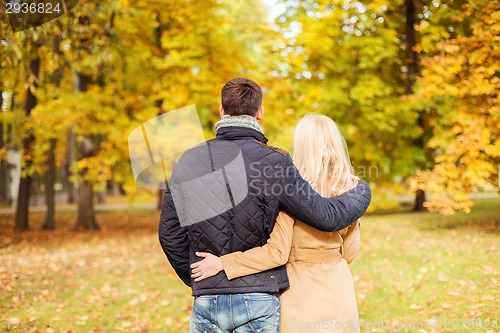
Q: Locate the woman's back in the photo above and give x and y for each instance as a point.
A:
(321, 297)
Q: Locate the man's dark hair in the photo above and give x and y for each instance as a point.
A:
(241, 96)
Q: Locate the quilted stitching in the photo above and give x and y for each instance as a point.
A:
(240, 228)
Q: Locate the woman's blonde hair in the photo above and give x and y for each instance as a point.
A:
(320, 154)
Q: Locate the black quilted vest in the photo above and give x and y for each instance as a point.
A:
(248, 224)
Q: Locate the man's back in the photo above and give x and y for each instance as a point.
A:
(247, 216)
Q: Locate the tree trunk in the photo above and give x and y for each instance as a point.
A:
(4, 177)
(23, 198)
(50, 176)
(101, 195)
(411, 55)
(113, 188)
(159, 203)
(86, 215)
(412, 65)
(14, 146)
(4, 171)
(70, 158)
(419, 202)
(161, 192)
(157, 33)
(86, 149)
(50, 179)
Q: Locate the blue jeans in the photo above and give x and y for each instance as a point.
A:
(236, 313)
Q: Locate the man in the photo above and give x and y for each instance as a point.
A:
(224, 196)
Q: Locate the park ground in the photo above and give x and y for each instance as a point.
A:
(416, 272)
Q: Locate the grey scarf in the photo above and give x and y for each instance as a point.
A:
(238, 121)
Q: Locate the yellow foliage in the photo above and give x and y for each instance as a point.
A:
(462, 77)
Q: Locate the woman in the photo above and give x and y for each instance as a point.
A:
(321, 296)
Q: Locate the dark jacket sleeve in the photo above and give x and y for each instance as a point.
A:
(326, 214)
(174, 239)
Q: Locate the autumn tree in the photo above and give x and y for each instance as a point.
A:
(459, 91)
(347, 61)
(107, 68)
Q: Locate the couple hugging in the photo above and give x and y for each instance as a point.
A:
(264, 241)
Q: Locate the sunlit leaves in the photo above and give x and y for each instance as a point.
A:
(461, 80)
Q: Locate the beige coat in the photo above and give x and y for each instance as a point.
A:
(321, 295)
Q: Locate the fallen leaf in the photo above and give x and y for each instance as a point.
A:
(415, 307)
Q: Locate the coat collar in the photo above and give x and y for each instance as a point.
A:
(240, 133)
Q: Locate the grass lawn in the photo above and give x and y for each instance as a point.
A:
(416, 272)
